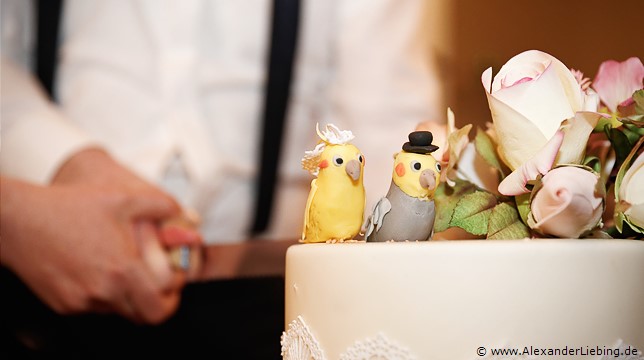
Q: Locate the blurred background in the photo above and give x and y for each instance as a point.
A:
(481, 34)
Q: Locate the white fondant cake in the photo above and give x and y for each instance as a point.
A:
(459, 299)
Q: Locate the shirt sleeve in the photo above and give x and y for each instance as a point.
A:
(35, 138)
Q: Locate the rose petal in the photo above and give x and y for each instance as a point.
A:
(511, 127)
(635, 214)
(545, 101)
(531, 62)
(591, 101)
(515, 183)
(577, 130)
(617, 81)
(570, 217)
(632, 186)
(473, 168)
(457, 141)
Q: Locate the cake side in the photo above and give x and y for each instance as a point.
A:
(444, 300)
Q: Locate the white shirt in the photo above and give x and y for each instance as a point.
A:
(174, 90)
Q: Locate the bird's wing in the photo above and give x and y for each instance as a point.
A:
(432, 214)
(314, 188)
(383, 206)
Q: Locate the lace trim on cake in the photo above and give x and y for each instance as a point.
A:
(298, 342)
(377, 348)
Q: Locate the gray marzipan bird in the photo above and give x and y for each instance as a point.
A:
(407, 212)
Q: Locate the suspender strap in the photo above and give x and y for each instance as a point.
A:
(280, 67)
(48, 17)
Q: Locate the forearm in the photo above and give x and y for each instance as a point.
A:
(36, 138)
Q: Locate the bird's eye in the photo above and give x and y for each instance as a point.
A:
(415, 165)
(360, 158)
(438, 167)
(337, 160)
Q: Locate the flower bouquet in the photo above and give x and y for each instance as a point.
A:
(563, 156)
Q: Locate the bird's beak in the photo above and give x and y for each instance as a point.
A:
(353, 169)
(427, 180)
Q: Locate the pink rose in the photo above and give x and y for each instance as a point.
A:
(616, 82)
(569, 203)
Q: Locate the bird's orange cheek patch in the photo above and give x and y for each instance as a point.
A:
(400, 170)
(323, 164)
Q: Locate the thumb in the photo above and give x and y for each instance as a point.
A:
(155, 255)
(182, 230)
(154, 204)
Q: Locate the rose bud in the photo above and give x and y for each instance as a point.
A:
(569, 202)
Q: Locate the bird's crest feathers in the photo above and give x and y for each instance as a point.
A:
(332, 135)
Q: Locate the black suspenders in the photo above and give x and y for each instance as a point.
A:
(48, 19)
(284, 30)
(280, 67)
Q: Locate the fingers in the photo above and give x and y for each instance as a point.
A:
(153, 253)
(150, 303)
(153, 286)
(149, 204)
(183, 240)
(174, 235)
(181, 230)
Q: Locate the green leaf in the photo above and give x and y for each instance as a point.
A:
(619, 219)
(632, 231)
(446, 198)
(523, 206)
(594, 163)
(632, 132)
(638, 97)
(612, 122)
(620, 143)
(636, 120)
(504, 223)
(485, 147)
(473, 211)
(626, 227)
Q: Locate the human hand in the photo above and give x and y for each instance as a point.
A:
(184, 242)
(157, 239)
(83, 244)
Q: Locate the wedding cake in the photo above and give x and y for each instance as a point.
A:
(465, 299)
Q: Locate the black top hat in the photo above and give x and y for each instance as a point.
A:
(420, 142)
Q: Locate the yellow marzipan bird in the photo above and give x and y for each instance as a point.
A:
(407, 212)
(335, 207)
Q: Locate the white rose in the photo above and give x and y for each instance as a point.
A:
(631, 191)
(529, 98)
